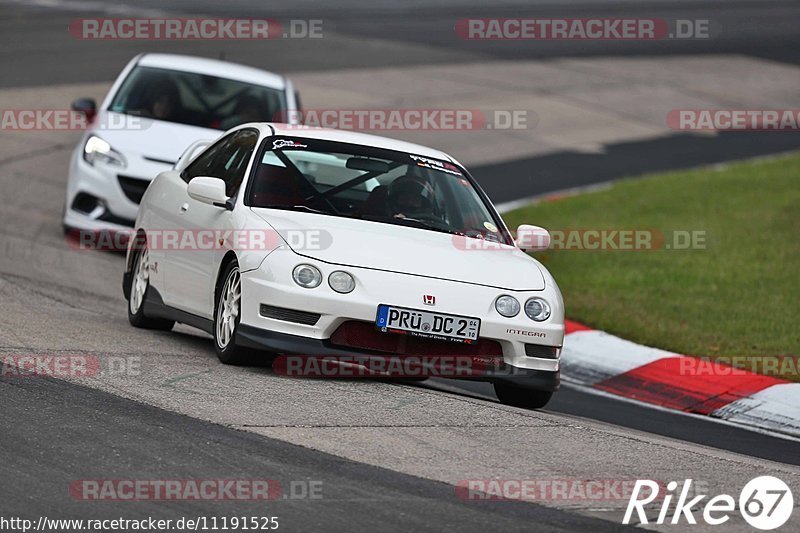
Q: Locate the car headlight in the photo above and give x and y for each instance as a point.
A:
(507, 306)
(341, 281)
(96, 149)
(537, 309)
(307, 276)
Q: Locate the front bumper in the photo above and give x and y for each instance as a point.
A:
(112, 207)
(271, 284)
(283, 343)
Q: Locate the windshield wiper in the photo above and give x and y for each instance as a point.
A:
(295, 208)
(413, 223)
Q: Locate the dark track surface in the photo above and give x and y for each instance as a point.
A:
(55, 433)
(512, 180)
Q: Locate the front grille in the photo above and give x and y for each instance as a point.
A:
(289, 315)
(543, 352)
(133, 187)
(365, 336)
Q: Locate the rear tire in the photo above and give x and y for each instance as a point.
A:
(140, 280)
(522, 397)
(227, 310)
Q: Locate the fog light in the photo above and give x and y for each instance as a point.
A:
(307, 276)
(341, 281)
(537, 309)
(507, 306)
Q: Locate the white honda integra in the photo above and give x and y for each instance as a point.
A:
(320, 242)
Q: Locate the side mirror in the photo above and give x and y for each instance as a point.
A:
(87, 106)
(532, 238)
(208, 190)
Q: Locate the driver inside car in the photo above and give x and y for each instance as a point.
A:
(411, 197)
(162, 100)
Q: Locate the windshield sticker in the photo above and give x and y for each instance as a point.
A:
(286, 143)
(436, 165)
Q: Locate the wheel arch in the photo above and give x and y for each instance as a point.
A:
(229, 257)
(136, 244)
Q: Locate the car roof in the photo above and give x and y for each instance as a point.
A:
(213, 67)
(354, 137)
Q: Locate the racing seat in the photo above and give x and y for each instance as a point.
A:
(377, 203)
(274, 185)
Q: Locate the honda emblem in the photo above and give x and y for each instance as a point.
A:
(429, 299)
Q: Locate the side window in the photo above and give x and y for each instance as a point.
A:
(227, 159)
(202, 165)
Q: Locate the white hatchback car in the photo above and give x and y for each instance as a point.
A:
(313, 241)
(159, 105)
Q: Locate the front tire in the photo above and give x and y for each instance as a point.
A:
(227, 310)
(522, 397)
(140, 280)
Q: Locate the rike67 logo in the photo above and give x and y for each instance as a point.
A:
(765, 503)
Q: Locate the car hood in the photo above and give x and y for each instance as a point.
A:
(366, 244)
(149, 138)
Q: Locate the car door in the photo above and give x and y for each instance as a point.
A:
(193, 263)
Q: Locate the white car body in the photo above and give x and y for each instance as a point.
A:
(110, 193)
(391, 264)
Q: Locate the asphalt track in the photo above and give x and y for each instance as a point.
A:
(59, 418)
(573, 401)
(385, 453)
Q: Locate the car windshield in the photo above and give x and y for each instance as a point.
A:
(387, 186)
(196, 99)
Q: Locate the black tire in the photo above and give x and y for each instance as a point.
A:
(136, 316)
(522, 397)
(227, 351)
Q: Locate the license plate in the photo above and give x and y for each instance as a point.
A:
(426, 324)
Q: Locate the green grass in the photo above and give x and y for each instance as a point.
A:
(738, 296)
